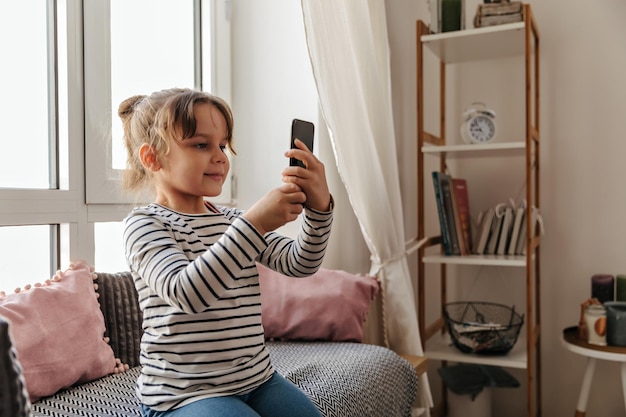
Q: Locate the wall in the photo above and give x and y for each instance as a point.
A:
(583, 103)
(272, 84)
(583, 97)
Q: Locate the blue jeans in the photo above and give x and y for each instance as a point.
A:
(277, 397)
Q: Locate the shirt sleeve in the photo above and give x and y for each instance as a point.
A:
(302, 256)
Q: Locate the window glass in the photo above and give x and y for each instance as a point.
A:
(25, 259)
(152, 48)
(137, 47)
(25, 156)
(63, 119)
(109, 254)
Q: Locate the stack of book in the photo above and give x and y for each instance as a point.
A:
(454, 213)
(491, 14)
(502, 229)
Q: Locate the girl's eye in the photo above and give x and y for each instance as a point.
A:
(222, 148)
(201, 145)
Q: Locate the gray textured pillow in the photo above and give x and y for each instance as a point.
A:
(13, 396)
(122, 315)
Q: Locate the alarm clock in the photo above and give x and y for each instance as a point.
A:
(479, 124)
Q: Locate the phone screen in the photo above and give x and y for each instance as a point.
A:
(304, 131)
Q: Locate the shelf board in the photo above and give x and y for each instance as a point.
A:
(500, 41)
(439, 347)
(488, 260)
(467, 148)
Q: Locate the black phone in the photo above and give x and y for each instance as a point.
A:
(304, 131)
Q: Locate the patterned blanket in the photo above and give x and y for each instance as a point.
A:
(342, 379)
(348, 379)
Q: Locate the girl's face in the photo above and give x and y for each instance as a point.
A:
(195, 167)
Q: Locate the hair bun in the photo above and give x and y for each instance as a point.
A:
(127, 107)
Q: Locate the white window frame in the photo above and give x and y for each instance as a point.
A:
(103, 182)
(77, 202)
(63, 204)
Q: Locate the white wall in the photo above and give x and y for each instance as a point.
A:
(272, 84)
(583, 103)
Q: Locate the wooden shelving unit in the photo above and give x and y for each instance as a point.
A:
(495, 42)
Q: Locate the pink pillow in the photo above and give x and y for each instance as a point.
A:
(329, 305)
(58, 330)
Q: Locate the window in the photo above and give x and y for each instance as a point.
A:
(62, 160)
(148, 45)
(144, 37)
(20, 245)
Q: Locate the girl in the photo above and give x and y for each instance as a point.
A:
(203, 351)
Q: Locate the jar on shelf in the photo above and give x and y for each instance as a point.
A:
(595, 318)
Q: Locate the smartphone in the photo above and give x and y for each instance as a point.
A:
(302, 130)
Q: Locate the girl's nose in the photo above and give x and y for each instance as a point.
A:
(220, 157)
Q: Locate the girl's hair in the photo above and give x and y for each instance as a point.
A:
(157, 120)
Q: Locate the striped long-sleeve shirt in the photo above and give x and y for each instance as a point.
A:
(199, 292)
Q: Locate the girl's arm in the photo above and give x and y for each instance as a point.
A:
(303, 256)
(153, 252)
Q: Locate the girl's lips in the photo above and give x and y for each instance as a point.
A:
(215, 177)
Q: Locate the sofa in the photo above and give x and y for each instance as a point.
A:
(343, 376)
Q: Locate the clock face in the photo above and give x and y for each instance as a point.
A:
(481, 129)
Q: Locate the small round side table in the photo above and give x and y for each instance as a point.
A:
(593, 352)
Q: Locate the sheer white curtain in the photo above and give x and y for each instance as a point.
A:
(349, 52)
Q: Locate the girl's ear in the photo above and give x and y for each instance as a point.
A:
(148, 158)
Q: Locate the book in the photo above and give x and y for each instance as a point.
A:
(534, 220)
(518, 224)
(462, 214)
(502, 8)
(483, 230)
(485, 21)
(505, 231)
(494, 233)
(445, 184)
(443, 222)
(498, 13)
(520, 247)
(457, 221)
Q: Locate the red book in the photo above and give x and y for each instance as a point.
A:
(462, 213)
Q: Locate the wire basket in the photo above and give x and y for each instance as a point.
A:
(481, 327)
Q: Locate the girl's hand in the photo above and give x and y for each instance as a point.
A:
(278, 207)
(311, 180)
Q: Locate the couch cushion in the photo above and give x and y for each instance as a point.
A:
(122, 316)
(111, 396)
(329, 305)
(58, 330)
(13, 395)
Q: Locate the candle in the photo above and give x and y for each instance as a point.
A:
(616, 323)
(620, 290)
(602, 287)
